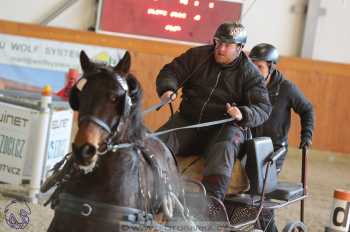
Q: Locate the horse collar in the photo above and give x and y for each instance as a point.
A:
(69, 203)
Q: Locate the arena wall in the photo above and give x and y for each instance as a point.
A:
(324, 83)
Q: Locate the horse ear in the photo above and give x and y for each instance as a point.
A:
(84, 61)
(135, 90)
(74, 98)
(124, 64)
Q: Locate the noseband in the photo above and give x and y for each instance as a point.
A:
(97, 121)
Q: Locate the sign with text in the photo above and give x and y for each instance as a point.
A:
(59, 137)
(179, 21)
(58, 141)
(33, 63)
(15, 127)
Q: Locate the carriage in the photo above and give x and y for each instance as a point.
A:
(120, 177)
(240, 211)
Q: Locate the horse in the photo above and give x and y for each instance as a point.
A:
(119, 177)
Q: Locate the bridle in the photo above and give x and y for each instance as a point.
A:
(116, 130)
(113, 132)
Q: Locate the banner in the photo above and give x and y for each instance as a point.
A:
(59, 139)
(15, 127)
(29, 63)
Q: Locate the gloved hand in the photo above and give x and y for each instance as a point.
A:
(234, 112)
(305, 143)
(168, 96)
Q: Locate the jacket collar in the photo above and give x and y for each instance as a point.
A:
(235, 63)
(275, 83)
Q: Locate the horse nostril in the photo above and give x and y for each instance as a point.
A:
(87, 151)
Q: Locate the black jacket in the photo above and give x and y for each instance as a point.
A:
(207, 86)
(284, 96)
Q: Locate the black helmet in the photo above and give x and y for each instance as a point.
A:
(264, 51)
(231, 32)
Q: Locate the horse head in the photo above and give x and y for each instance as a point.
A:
(108, 101)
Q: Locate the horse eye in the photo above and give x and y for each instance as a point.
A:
(113, 97)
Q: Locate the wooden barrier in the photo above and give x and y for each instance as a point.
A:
(324, 83)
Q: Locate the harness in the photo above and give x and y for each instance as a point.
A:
(68, 203)
(108, 213)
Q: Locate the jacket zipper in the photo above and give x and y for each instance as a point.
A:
(208, 99)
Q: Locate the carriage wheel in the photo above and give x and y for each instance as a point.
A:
(295, 227)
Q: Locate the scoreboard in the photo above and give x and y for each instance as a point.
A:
(189, 21)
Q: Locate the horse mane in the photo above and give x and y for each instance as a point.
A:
(136, 131)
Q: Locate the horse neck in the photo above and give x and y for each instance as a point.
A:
(133, 130)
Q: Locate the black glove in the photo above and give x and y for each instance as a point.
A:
(305, 143)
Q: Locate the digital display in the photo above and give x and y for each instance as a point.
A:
(193, 21)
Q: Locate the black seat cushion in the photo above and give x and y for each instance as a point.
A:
(286, 191)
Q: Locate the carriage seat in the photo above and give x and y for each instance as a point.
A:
(256, 153)
(258, 150)
(191, 167)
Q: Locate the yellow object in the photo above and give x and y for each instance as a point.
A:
(47, 90)
(104, 57)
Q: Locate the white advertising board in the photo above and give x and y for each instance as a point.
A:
(15, 130)
(59, 138)
(57, 144)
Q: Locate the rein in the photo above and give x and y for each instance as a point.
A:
(161, 104)
(115, 147)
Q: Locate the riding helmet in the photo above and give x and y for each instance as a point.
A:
(264, 51)
(231, 32)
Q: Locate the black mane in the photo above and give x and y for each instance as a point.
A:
(137, 130)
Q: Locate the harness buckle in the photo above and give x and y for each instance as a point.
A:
(87, 210)
(106, 147)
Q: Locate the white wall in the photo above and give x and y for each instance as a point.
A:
(271, 21)
(275, 22)
(332, 41)
(267, 21)
(81, 15)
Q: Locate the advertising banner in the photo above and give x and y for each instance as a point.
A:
(28, 63)
(15, 132)
(59, 139)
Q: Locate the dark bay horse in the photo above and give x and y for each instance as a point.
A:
(119, 175)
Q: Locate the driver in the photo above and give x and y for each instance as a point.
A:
(284, 96)
(217, 81)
